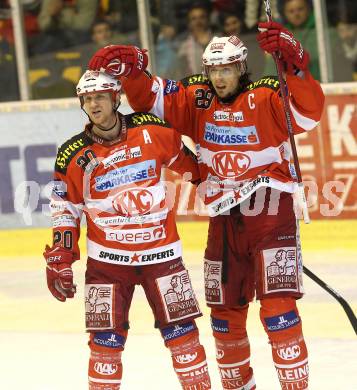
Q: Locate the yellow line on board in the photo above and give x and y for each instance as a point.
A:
(318, 236)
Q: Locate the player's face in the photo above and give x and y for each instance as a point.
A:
(99, 107)
(225, 79)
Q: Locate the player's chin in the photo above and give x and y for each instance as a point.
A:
(97, 119)
(222, 94)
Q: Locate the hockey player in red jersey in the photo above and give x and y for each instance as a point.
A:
(253, 246)
(111, 172)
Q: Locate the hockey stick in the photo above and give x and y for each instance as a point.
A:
(346, 307)
(284, 94)
(301, 194)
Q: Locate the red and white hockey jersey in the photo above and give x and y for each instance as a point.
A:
(130, 220)
(240, 145)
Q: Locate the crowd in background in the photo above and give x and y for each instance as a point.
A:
(63, 34)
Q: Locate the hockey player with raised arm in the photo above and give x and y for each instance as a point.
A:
(111, 173)
(253, 246)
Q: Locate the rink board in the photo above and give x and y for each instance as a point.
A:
(32, 131)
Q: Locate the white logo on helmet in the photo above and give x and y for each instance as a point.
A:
(217, 46)
(224, 51)
(94, 81)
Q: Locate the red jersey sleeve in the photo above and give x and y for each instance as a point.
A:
(67, 204)
(183, 160)
(174, 101)
(306, 101)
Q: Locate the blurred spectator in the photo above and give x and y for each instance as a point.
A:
(299, 19)
(102, 35)
(255, 12)
(31, 9)
(120, 14)
(8, 74)
(232, 24)
(229, 6)
(65, 23)
(175, 11)
(347, 33)
(192, 47)
(221, 7)
(166, 49)
(345, 55)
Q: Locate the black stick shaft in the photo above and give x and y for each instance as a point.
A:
(285, 99)
(284, 93)
(346, 307)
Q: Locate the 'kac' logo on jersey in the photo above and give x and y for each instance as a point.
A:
(129, 174)
(289, 353)
(229, 135)
(186, 358)
(103, 368)
(136, 201)
(230, 164)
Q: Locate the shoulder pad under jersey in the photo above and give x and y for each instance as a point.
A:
(69, 149)
(271, 82)
(195, 79)
(144, 118)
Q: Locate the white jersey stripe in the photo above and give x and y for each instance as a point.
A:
(174, 158)
(96, 380)
(291, 365)
(234, 197)
(187, 369)
(234, 364)
(60, 206)
(119, 220)
(303, 121)
(158, 89)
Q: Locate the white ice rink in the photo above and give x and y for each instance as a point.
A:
(43, 344)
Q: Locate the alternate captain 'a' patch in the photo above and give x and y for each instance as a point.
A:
(271, 82)
(69, 149)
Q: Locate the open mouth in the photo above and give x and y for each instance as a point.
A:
(220, 88)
